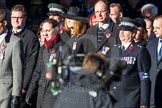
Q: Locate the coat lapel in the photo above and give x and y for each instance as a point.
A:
(3, 46)
(45, 56)
(127, 52)
(154, 50)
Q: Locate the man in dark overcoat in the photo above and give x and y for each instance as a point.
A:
(30, 43)
(105, 33)
(154, 48)
(133, 89)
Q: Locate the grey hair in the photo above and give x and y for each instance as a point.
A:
(150, 6)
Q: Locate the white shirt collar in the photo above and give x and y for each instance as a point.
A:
(126, 45)
(2, 36)
(105, 25)
(18, 30)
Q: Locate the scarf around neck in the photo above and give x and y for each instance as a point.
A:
(51, 41)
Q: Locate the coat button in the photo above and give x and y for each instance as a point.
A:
(93, 93)
(114, 87)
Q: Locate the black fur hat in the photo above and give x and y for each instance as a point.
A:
(140, 22)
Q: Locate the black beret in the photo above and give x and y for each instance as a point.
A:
(140, 22)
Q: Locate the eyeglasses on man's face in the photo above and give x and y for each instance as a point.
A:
(17, 18)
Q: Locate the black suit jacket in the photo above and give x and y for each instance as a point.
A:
(155, 73)
(134, 88)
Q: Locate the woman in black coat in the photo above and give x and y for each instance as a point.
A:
(48, 53)
(74, 34)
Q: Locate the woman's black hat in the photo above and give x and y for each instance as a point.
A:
(74, 13)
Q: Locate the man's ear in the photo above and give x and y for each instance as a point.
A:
(5, 22)
(134, 33)
(121, 14)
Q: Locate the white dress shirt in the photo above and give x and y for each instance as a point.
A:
(3, 35)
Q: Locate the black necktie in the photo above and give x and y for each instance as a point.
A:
(160, 51)
(100, 36)
(15, 32)
(122, 47)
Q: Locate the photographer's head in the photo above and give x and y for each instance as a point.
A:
(93, 62)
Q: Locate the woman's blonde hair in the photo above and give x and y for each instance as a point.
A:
(78, 29)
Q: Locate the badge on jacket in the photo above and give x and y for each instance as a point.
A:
(52, 57)
(74, 45)
(105, 49)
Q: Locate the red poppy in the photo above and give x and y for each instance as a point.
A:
(62, 28)
(53, 51)
(131, 47)
(3, 47)
(108, 35)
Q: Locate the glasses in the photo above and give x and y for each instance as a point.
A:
(17, 18)
(102, 11)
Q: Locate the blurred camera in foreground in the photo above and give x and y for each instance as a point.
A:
(87, 87)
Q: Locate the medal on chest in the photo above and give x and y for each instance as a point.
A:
(52, 57)
(129, 60)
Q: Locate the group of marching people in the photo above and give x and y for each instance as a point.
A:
(121, 67)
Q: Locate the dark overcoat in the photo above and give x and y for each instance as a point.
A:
(39, 83)
(134, 87)
(142, 43)
(76, 45)
(107, 41)
(31, 48)
(155, 74)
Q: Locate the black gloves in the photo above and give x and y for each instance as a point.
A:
(15, 102)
